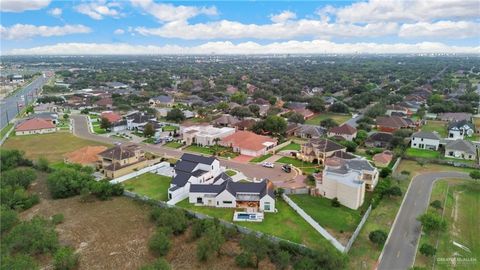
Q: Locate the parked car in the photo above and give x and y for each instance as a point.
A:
(287, 168)
(268, 164)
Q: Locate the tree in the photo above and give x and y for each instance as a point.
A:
(223, 106)
(241, 112)
(239, 97)
(427, 250)
(149, 130)
(282, 259)
(65, 116)
(18, 177)
(159, 243)
(105, 123)
(255, 109)
(12, 158)
(385, 172)
(350, 145)
(328, 123)
(65, 259)
(256, 246)
(362, 135)
(475, 174)
(172, 218)
(176, 115)
(378, 237)
(394, 191)
(158, 264)
(273, 124)
(339, 107)
(436, 204)
(316, 104)
(211, 242)
(432, 222)
(33, 237)
(296, 118)
(67, 182)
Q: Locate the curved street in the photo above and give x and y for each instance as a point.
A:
(400, 248)
(80, 129)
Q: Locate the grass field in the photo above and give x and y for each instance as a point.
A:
(212, 150)
(335, 219)
(461, 204)
(173, 145)
(291, 146)
(422, 153)
(306, 167)
(438, 126)
(286, 223)
(149, 184)
(364, 254)
(51, 146)
(339, 118)
(169, 128)
(261, 158)
(231, 173)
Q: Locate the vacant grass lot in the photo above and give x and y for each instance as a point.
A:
(286, 224)
(169, 128)
(422, 153)
(336, 219)
(306, 167)
(212, 150)
(51, 146)
(461, 202)
(291, 146)
(364, 254)
(151, 185)
(438, 126)
(339, 118)
(261, 158)
(173, 145)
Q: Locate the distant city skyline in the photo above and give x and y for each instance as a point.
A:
(239, 27)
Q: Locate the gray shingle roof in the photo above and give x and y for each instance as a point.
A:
(181, 178)
(426, 135)
(197, 158)
(461, 145)
(185, 166)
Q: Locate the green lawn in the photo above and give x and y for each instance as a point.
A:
(173, 144)
(149, 184)
(291, 146)
(461, 207)
(231, 173)
(51, 146)
(332, 218)
(149, 140)
(422, 153)
(306, 167)
(4, 130)
(261, 158)
(339, 118)
(438, 126)
(212, 150)
(98, 130)
(286, 223)
(169, 128)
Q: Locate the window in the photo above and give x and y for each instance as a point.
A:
(227, 202)
(199, 200)
(266, 206)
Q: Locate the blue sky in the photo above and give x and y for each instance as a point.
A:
(152, 26)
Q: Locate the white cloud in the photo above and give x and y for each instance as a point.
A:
(289, 47)
(283, 16)
(119, 32)
(22, 5)
(169, 12)
(56, 12)
(405, 10)
(99, 9)
(450, 29)
(286, 30)
(22, 31)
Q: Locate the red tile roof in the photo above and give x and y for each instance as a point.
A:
(34, 124)
(247, 140)
(392, 122)
(384, 157)
(85, 155)
(111, 116)
(343, 129)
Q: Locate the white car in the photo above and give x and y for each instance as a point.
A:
(268, 164)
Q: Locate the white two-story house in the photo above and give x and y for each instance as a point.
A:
(460, 130)
(425, 140)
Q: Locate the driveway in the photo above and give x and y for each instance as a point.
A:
(80, 129)
(399, 251)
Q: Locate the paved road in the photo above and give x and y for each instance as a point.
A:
(399, 251)
(80, 129)
(353, 121)
(8, 106)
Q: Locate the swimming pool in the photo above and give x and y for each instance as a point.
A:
(244, 216)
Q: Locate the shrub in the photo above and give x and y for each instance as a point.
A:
(158, 264)
(8, 219)
(42, 165)
(244, 260)
(378, 237)
(18, 262)
(18, 177)
(17, 198)
(172, 218)
(12, 158)
(67, 182)
(427, 250)
(57, 219)
(436, 204)
(32, 237)
(335, 202)
(385, 172)
(432, 222)
(393, 191)
(475, 174)
(159, 244)
(65, 259)
(281, 259)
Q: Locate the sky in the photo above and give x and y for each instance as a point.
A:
(50, 27)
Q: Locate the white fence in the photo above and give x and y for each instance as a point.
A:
(139, 172)
(358, 229)
(278, 147)
(314, 224)
(395, 166)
